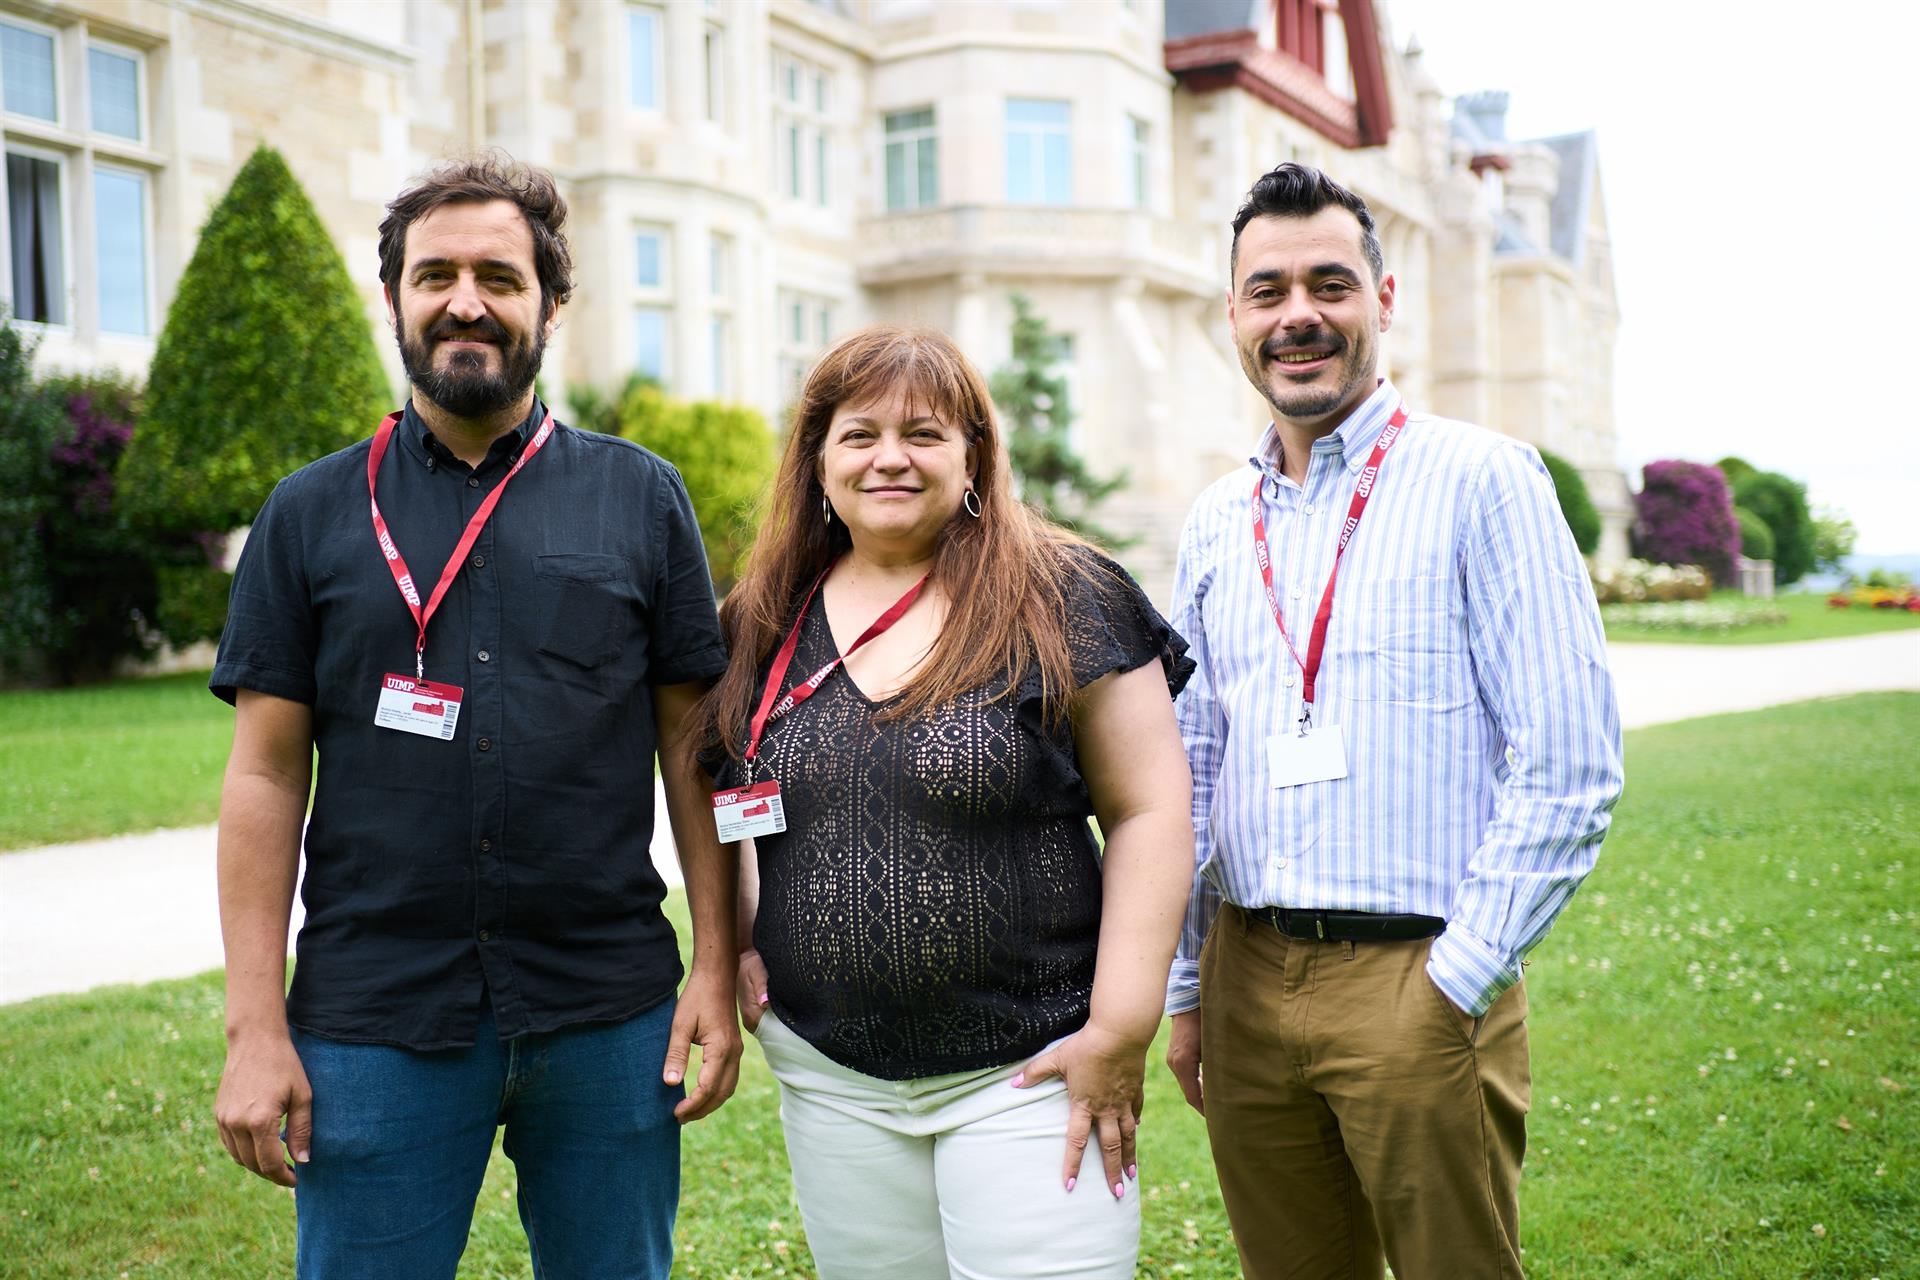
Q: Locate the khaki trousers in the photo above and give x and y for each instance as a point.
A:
(1357, 1116)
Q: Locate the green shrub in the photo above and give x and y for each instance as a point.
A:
(1576, 504)
(1782, 503)
(1735, 470)
(29, 425)
(266, 361)
(724, 452)
(1756, 539)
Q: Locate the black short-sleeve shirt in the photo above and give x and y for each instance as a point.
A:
(510, 862)
(934, 903)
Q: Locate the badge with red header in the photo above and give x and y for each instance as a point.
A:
(749, 811)
(418, 706)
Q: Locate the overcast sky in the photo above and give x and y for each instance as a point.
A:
(1757, 161)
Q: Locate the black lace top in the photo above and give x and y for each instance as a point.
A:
(934, 903)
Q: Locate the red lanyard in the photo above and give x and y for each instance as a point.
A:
(1316, 642)
(397, 565)
(770, 710)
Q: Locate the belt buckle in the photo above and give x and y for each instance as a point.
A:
(1320, 924)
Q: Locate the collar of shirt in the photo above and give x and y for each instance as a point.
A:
(425, 448)
(1351, 439)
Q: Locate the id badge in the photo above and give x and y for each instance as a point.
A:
(751, 811)
(418, 706)
(1318, 755)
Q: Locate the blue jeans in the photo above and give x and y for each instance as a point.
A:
(401, 1141)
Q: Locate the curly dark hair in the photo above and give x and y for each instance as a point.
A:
(479, 178)
(1300, 191)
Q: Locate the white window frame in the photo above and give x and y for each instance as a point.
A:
(817, 316)
(1038, 133)
(145, 179)
(714, 51)
(1139, 145)
(659, 69)
(664, 375)
(661, 288)
(69, 293)
(59, 79)
(802, 129)
(139, 60)
(910, 140)
(720, 355)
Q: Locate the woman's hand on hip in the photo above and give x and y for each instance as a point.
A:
(1103, 1074)
(752, 989)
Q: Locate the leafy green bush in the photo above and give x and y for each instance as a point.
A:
(266, 361)
(724, 452)
(1576, 504)
(1756, 539)
(29, 424)
(1782, 503)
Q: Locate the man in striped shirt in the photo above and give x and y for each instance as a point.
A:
(1405, 752)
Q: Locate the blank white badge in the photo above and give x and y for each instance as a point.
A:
(1318, 755)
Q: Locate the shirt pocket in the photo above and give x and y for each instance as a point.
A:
(1402, 640)
(583, 598)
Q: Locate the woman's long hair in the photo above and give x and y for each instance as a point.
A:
(1003, 573)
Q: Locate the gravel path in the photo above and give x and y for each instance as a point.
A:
(141, 907)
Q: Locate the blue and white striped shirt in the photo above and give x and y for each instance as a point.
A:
(1465, 665)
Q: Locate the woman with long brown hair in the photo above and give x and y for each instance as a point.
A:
(932, 688)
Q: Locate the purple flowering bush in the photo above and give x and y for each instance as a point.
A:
(1684, 515)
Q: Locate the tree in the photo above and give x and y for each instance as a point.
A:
(724, 453)
(1833, 540)
(1576, 504)
(1782, 503)
(1684, 515)
(1735, 469)
(1756, 539)
(1035, 413)
(266, 362)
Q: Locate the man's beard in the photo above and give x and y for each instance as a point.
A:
(1308, 402)
(464, 387)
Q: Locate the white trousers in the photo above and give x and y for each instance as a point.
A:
(951, 1176)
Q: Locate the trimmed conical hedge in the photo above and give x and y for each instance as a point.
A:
(266, 361)
(1576, 504)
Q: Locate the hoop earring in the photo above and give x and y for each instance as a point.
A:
(971, 501)
(826, 510)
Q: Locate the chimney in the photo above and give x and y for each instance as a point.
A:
(1487, 111)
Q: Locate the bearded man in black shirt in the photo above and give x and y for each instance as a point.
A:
(483, 942)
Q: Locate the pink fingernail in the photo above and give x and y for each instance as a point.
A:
(1119, 1190)
(1133, 1173)
(763, 997)
(1070, 1182)
(1016, 1082)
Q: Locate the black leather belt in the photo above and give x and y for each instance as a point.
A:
(1346, 926)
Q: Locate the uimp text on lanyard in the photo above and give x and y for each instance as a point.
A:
(755, 808)
(418, 705)
(1317, 639)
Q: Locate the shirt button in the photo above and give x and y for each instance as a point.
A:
(479, 562)
(1310, 508)
(1282, 864)
(486, 744)
(473, 482)
(486, 846)
(1287, 680)
(484, 656)
(484, 935)
(1296, 593)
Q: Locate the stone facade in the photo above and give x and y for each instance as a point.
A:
(751, 178)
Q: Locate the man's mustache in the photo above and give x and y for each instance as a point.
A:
(1303, 341)
(485, 329)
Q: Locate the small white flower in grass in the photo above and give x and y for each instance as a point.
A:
(1720, 1119)
(1819, 1231)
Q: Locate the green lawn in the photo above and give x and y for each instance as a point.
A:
(1726, 1055)
(95, 761)
(1808, 617)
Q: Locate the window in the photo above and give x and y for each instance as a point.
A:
(719, 264)
(650, 343)
(1039, 151)
(26, 69)
(113, 92)
(719, 337)
(913, 160)
(805, 326)
(645, 69)
(650, 258)
(120, 231)
(1138, 158)
(716, 51)
(802, 130)
(35, 222)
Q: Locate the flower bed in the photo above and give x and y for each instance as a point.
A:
(1876, 598)
(1693, 616)
(1633, 581)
